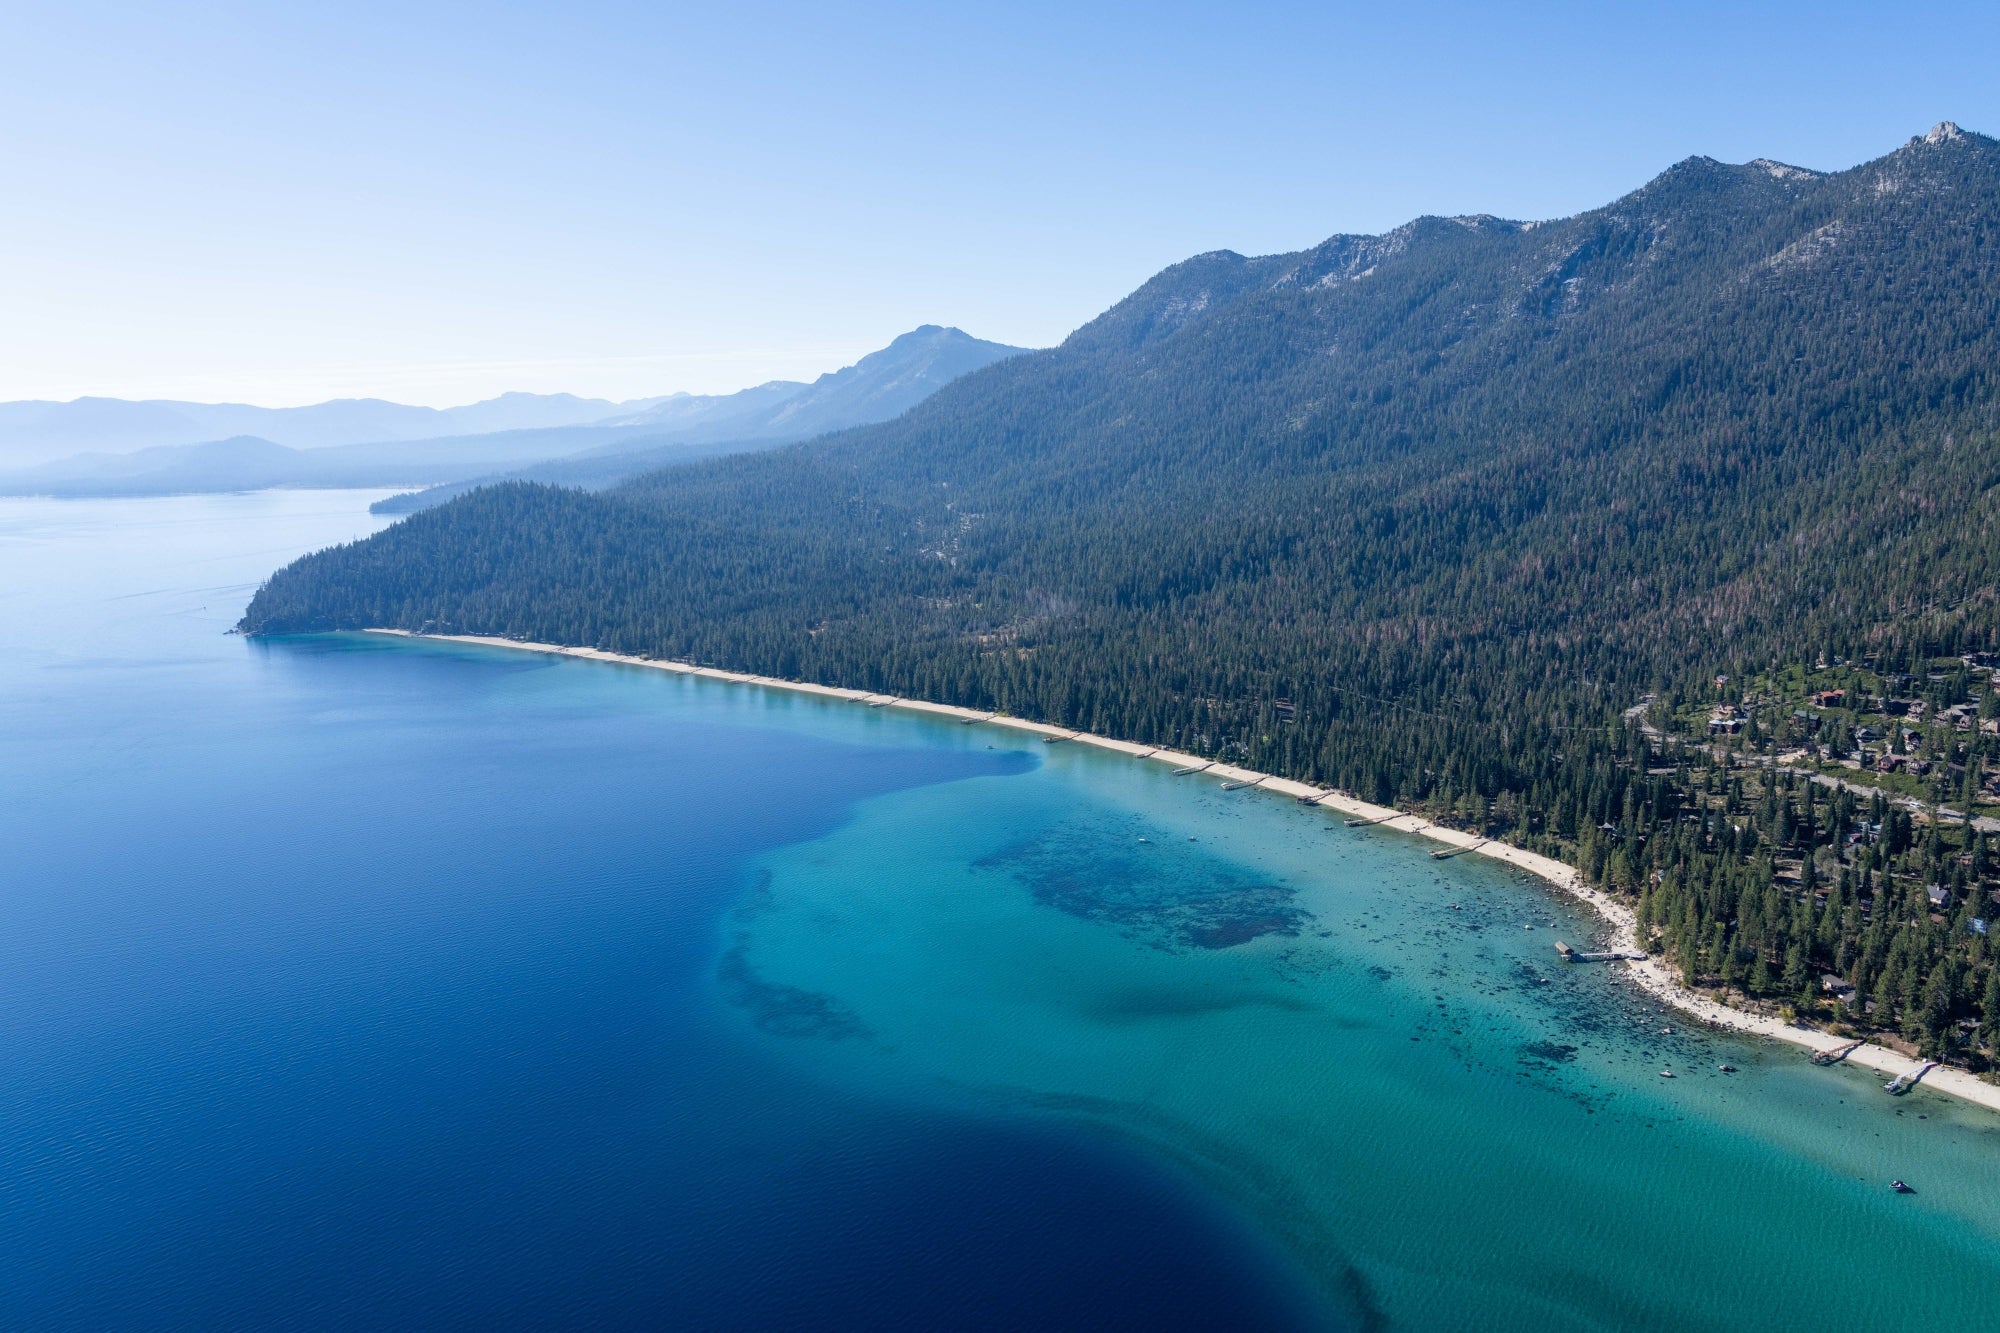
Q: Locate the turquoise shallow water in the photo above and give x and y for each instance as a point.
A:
(1397, 1076)
(348, 981)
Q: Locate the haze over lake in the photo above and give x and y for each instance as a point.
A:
(356, 981)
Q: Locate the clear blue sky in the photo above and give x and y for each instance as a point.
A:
(281, 203)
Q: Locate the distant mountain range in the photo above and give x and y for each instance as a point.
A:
(879, 387)
(159, 447)
(42, 432)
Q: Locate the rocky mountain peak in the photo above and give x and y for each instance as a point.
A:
(1783, 171)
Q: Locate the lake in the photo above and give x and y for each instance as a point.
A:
(353, 981)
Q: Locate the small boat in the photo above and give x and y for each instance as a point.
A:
(1900, 1187)
(1727, 1069)
(1666, 1073)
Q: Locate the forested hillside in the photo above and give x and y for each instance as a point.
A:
(1419, 515)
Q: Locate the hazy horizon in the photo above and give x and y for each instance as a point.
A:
(807, 377)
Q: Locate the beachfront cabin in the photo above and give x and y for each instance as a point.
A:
(1839, 988)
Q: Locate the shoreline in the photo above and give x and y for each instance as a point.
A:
(1650, 973)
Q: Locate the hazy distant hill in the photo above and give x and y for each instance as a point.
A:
(331, 445)
(879, 386)
(247, 462)
(40, 432)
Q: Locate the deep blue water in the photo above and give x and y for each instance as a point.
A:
(349, 983)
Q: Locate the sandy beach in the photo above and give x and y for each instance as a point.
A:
(1650, 973)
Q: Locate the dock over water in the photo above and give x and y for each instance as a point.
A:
(1837, 1053)
(1570, 955)
(1902, 1083)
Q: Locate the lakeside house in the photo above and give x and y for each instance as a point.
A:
(1840, 988)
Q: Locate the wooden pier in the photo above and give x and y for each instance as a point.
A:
(1192, 768)
(1838, 1053)
(1380, 819)
(1570, 955)
(1450, 852)
(1247, 782)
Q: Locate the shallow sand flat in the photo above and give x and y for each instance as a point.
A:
(1650, 973)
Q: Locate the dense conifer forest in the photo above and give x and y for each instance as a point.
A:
(1485, 518)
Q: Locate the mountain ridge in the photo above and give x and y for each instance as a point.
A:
(1476, 518)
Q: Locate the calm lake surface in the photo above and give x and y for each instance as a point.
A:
(354, 982)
